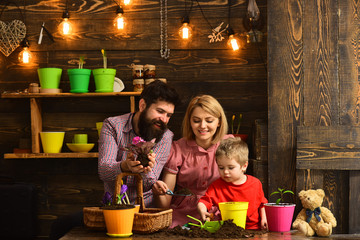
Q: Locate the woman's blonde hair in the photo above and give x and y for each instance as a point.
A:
(210, 105)
(233, 148)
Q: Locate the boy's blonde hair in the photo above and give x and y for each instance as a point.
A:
(233, 148)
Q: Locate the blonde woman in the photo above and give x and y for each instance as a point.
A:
(192, 164)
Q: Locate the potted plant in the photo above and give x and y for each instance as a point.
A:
(279, 214)
(236, 133)
(104, 77)
(79, 78)
(118, 214)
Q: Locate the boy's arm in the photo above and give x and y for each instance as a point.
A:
(263, 218)
(202, 209)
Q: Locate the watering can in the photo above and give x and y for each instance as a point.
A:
(210, 226)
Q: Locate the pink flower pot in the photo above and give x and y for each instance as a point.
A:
(279, 217)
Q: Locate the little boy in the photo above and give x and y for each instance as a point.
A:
(234, 185)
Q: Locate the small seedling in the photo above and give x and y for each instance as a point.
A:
(281, 191)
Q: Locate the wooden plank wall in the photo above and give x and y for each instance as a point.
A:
(237, 79)
(313, 82)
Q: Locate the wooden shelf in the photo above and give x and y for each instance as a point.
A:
(55, 95)
(36, 120)
(51, 155)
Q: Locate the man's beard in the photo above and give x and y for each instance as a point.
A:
(147, 130)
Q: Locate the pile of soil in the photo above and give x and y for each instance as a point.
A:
(228, 230)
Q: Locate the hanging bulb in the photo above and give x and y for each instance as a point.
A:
(25, 55)
(185, 31)
(233, 42)
(119, 21)
(253, 11)
(65, 27)
(126, 2)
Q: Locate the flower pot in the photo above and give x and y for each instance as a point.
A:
(104, 79)
(79, 80)
(234, 210)
(49, 77)
(243, 137)
(119, 222)
(52, 141)
(279, 216)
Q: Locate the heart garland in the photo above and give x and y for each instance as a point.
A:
(11, 36)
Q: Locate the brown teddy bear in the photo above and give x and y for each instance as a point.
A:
(313, 218)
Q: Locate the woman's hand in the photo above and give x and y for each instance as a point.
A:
(159, 188)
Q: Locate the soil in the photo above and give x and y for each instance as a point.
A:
(184, 191)
(228, 230)
(143, 158)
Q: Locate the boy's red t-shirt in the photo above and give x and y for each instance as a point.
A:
(251, 191)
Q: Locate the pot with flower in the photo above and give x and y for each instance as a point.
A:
(79, 78)
(279, 214)
(236, 133)
(104, 77)
(141, 149)
(118, 214)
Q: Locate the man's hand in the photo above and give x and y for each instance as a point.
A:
(131, 165)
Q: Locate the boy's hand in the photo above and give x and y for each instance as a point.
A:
(203, 211)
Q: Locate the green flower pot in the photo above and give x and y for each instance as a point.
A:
(104, 79)
(79, 80)
(49, 77)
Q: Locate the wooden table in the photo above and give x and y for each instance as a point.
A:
(86, 234)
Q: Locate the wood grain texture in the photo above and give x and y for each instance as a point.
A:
(285, 82)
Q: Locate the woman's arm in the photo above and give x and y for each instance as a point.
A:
(159, 188)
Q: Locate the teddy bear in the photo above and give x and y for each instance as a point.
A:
(313, 218)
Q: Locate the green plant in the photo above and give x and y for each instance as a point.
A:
(281, 191)
(81, 62)
(238, 126)
(103, 52)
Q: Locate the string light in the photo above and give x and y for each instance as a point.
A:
(65, 26)
(185, 31)
(119, 21)
(127, 2)
(233, 42)
(25, 55)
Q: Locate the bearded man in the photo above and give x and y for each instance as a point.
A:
(156, 105)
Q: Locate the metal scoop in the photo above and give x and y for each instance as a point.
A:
(210, 226)
(169, 192)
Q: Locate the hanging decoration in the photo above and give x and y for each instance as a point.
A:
(164, 51)
(216, 35)
(233, 41)
(11, 34)
(253, 23)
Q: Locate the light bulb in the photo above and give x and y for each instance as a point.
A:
(65, 27)
(25, 55)
(233, 42)
(119, 21)
(127, 2)
(185, 31)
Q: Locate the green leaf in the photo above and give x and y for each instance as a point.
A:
(288, 191)
(278, 201)
(275, 192)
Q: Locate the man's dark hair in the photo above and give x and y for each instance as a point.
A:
(159, 91)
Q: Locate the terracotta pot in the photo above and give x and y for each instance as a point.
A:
(243, 137)
(119, 222)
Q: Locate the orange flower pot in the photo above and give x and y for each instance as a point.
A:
(119, 222)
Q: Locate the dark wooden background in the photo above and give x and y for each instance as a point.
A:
(313, 78)
(237, 79)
